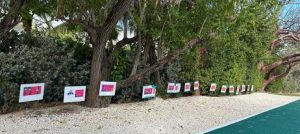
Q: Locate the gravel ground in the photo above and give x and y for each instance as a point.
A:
(177, 116)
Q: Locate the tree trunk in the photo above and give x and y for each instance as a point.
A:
(152, 60)
(265, 84)
(139, 35)
(92, 99)
(99, 35)
(137, 58)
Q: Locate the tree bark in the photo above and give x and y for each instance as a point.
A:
(152, 60)
(92, 99)
(273, 77)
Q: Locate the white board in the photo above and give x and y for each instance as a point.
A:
(213, 87)
(74, 94)
(107, 88)
(187, 87)
(231, 89)
(31, 92)
(196, 85)
(248, 88)
(177, 87)
(243, 88)
(237, 89)
(223, 89)
(171, 88)
(148, 91)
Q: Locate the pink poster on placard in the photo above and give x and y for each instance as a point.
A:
(31, 92)
(177, 88)
(187, 87)
(223, 89)
(231, 89)
(196, 85)
(148, 91)
(79, 93)
(171, 86)
(213, 87)
(107, 88)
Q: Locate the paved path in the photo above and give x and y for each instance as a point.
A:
(281, 120)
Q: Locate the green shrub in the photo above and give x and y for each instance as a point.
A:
(276, 86)
(44, 60)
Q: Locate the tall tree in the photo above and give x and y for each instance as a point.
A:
(98, 19)
(287, 34)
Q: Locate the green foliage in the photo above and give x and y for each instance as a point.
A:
(8, 96)
(121, 68)
(237, 36)
(255, 78)
(276, 86)
(44, 60)
(238, 41)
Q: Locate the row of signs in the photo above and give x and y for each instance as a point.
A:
(32, 92)
(175, 87)
(239, 88)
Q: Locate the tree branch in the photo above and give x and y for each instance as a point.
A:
(115, 15)
(285, 73)
(158, 65)
(123, 42)
(283, 61)
(12, 18)
(283, 35)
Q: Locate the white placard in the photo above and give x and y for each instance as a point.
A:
(148, 91)
(243, 88)
(248, 88)
(213, 87)
(223, 89)
(187, 87)
(196, 85)
(177, 87)
(74, 94)
(171, 88)
(237, 89)
(107, 88)
(231, 89)
(31, 92)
